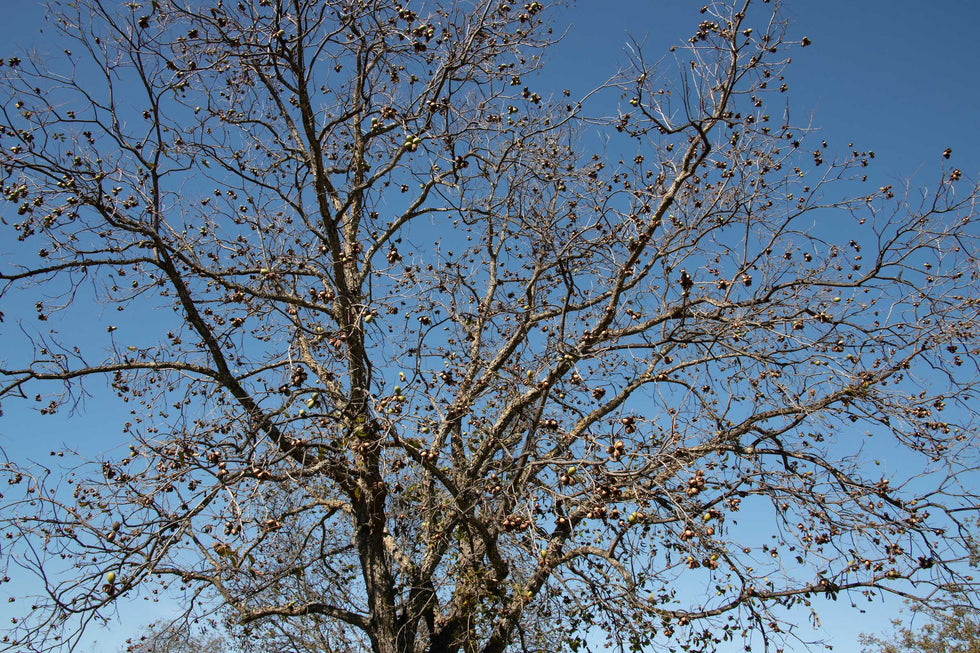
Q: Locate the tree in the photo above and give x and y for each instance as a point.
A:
(161, 637)
(952, 628)
(417, 364)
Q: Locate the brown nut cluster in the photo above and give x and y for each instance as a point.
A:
(695, 484)
(616, 450)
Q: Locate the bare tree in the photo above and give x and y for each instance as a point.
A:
(416, 364)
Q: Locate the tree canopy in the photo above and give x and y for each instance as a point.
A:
(417, 362)
(951, 626)
(163, 637)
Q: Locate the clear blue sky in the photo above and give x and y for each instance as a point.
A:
(895, 76)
